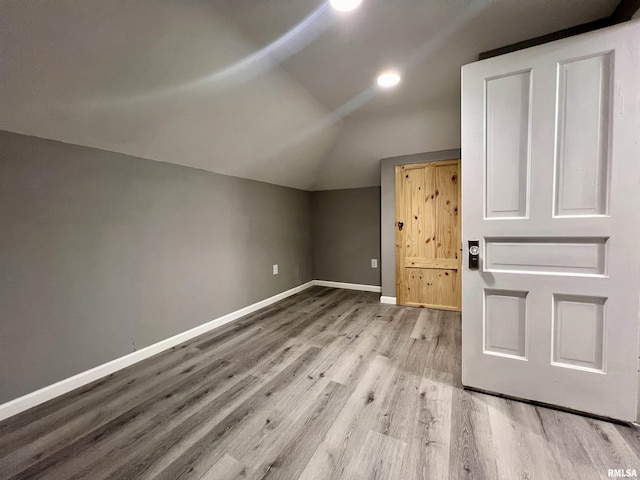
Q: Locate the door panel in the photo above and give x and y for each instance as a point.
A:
(508, 109)
(550, 189)
(505, 323)
(578, 331)
(562, 256)
(584, 97)
(428, 252)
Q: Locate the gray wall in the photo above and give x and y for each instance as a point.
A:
(346, 235)
(388, 210)
(103, 253)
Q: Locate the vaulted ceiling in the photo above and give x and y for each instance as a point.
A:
(273, 90)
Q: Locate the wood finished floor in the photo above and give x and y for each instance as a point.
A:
(326, 384)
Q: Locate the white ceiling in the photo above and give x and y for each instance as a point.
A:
(273, 90)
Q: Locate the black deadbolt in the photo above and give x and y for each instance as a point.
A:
(474, 254)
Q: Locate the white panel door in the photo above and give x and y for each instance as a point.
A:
(551, 190)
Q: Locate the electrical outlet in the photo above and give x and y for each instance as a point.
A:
(275, 269)
(374, 263)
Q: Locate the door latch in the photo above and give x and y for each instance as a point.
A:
(474, 254)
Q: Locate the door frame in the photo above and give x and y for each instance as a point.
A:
(398, 248)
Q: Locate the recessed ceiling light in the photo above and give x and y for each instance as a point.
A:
(389, 79)
(345, 5)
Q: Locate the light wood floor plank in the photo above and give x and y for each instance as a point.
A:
(567, 447)
(289, 458)
(379, 457)
(197, 458)
(227, 468)
(343, 440)
(472, 454)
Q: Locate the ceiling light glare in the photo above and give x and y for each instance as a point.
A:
(345, 5)
(388, 79)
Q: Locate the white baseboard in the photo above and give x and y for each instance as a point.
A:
(388, 300)
(32, 399)
(349, 286)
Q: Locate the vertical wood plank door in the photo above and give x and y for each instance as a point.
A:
(428, 241)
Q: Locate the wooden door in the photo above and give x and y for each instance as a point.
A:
(428, 241)
(550, 189)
